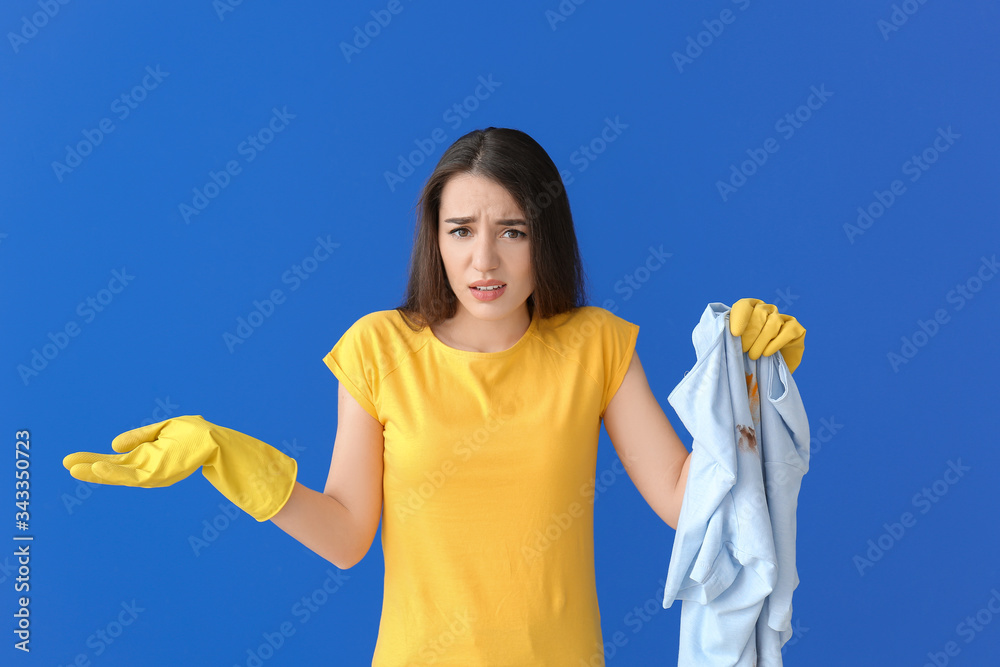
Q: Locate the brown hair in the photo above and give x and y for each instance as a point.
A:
(515, 161)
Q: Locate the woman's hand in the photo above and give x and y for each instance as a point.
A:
(150, 456)
(253, 475)
(764, 331)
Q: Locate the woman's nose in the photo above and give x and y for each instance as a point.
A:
(485, 256)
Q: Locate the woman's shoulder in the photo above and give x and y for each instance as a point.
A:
(386, 329)
(586, 320)
(382, 323)
(589, 332)
(381, 338)
(375, 318)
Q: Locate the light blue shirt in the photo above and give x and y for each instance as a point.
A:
(733, 559)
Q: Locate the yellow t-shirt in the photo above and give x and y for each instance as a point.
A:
(488, 486)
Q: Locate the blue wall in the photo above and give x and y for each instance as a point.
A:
(838, 160)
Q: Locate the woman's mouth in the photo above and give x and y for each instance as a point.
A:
(489, 293)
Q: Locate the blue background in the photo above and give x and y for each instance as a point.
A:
(881, 432)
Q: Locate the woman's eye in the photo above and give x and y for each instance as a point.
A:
(518, 233)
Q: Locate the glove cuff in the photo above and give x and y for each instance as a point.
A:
(252, 474)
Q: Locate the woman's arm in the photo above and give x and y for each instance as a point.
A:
(654, 457)
(340, 523)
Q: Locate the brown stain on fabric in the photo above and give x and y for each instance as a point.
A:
(748, 438)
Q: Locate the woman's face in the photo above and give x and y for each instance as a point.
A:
(482, 235)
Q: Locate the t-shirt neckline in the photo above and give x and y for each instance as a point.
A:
(438, 343)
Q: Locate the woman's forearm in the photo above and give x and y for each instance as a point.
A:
(323, 524)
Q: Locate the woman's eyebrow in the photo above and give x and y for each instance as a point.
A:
(464, 221)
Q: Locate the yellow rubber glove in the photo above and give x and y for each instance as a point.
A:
(255, 476)
(764, 331)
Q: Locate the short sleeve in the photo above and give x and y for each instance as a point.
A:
(354, 361)
(618, 338)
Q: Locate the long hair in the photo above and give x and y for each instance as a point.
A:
(514, 160)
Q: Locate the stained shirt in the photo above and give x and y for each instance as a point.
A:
(733, 557)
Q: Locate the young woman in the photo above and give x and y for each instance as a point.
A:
(468, 422)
